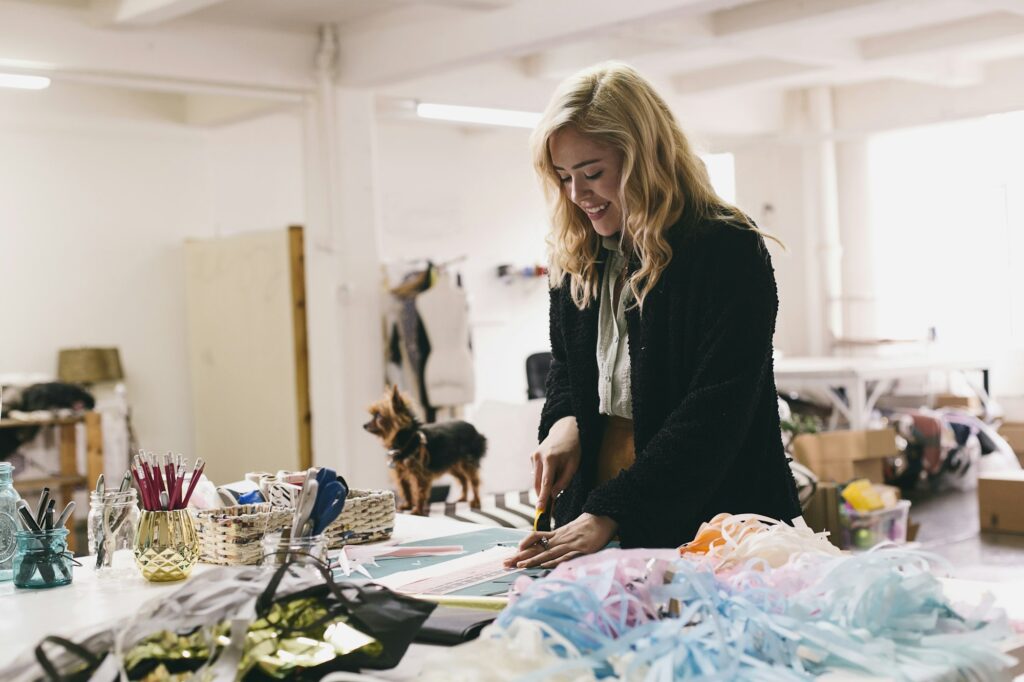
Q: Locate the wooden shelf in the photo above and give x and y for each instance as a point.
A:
(70, 478)
(23, 484)
(55, 421)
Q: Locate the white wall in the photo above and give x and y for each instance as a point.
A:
(98, 190)
(769, 187)
(448, 192)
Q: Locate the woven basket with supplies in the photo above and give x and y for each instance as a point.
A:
(369, 515)
(233, 536)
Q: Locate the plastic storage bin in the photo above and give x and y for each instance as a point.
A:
(864, 530)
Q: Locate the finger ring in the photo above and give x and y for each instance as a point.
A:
(543, 542)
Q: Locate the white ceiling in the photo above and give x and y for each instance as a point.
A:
(511, 52)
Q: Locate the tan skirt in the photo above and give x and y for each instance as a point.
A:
(616, 451)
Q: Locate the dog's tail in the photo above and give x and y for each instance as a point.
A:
(479, 446)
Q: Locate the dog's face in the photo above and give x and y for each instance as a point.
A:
(389, 415)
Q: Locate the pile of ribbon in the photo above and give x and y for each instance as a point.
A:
(749, 598)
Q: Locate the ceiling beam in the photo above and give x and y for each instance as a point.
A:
(1015, 6)
(737, 74)
(63, 42)
(146, 12)
(525, 27)
(944, 37)
(770, 15)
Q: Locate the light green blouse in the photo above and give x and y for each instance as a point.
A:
(613, 386)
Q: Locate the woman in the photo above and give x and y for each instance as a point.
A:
(661, 403)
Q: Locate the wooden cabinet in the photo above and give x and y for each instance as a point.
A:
(69, 478)
(247, 352)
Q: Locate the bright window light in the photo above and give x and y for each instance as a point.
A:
(15, 80)
(722, 172)
(497, 117)
(947, 213)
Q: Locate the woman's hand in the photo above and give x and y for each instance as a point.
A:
(586, 534)
(555, 461)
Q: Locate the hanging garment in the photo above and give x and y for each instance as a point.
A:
(448, 373)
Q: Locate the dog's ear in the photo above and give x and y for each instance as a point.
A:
(396, 397)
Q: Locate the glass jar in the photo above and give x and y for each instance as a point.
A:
(8, 521)
(166, 546)
(42, 559)
(113, 523)
(279, 547)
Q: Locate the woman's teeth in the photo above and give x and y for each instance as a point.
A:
(597, 209)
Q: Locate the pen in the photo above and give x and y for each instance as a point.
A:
(44, 497)
(64, 515)
(48, 515)
(27, 519)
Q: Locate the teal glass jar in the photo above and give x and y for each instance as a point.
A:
(42, 559)
(8, 521)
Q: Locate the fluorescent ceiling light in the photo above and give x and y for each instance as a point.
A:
(497, 117)
(15, 80)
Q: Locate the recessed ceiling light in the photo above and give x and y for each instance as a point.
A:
(17, 80)
(498, 117)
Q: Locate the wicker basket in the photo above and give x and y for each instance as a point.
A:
(369, 515)
(232, 536)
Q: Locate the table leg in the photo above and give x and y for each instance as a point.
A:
(68, 467)
(858, 403)
(93, 448)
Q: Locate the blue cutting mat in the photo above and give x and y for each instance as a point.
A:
(473, 541)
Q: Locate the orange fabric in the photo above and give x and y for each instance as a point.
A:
(616, 451)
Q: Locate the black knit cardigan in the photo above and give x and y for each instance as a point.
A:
(705, 413)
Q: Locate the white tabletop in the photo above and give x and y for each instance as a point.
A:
(833, 368)
(89, 601)
(30, 615)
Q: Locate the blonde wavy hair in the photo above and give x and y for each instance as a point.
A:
(661, 175)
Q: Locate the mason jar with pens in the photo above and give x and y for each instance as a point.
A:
(113, 524)
(166, 545)
(41, 557)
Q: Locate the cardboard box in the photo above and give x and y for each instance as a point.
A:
(822, 512)
(969, 403)
(1013, 433)
(845, 455)
(999, 502)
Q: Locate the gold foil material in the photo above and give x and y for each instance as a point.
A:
(301, 633)
(166, 546)
(168, 647)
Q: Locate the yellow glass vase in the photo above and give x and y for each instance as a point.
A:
(166, 546)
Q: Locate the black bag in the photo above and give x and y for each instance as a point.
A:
(390, 618)
(451, 625)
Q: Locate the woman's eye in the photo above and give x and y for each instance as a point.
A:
(595, 176)
(564, 180)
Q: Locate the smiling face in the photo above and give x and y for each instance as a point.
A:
(590, 173)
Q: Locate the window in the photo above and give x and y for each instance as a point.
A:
(722, 170)
(947, 214)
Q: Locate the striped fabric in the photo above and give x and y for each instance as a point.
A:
(507, 510)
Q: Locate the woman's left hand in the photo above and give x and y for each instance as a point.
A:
(586, 534)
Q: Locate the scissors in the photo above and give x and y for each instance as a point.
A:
(330, 500)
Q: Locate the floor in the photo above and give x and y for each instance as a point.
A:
(949, 528)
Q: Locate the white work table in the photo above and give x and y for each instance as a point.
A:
(865, 379)
(30, 615)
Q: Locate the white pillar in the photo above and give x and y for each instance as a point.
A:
(343, 275)
(858, 273)
(823, 256)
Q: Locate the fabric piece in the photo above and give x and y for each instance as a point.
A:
(613, 386)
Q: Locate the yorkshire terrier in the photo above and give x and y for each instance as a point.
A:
(418, 453)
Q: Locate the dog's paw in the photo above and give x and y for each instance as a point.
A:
(475, 504)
